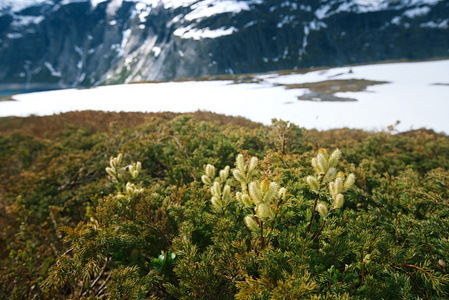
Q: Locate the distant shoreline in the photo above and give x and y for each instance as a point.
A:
(7, 93)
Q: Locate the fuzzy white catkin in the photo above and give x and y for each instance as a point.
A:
(129, 189)
(313, 183)
(210, 171)
(132, 191)
(240, 162)
(322, 209)
(349, 183)
(253, 164)
(113, 162)
(338, 186)
(264, 211)
(255, 193)
(339, 201)
(330, 175)
(224, 174)
(238, 175)
(216, 203)
(247, 201)
(264, 185)
(238, 196)
(134, 170)
(332, 188)
(282, 193)
(215, 190)
(271, 193)
(315, 167)
(334, 158)
(226, 193)
(111, 171)
(251, 223)
(206, 180)
(323, 164)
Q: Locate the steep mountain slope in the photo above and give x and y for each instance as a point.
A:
(84, 43)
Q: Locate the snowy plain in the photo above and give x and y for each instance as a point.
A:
(417, 95)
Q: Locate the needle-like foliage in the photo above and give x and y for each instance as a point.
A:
(203, 206)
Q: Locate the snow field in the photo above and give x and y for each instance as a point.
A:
(417, 95)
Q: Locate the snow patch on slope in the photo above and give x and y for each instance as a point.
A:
(199, 10)
(193, 33)
(208, 8)
(444, 24)
(113, 6)
(52, 70)
(18, 5)
(94, 3)
(421, 7)
(417, 12)
(167, 4)
(22, 21)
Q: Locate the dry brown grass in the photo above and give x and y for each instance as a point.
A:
(99, 121)
(237, 78)
(7, 98)
(334, 86)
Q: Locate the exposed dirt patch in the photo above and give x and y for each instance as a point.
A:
(312, 96)
(334, 86)
(325, 90)
(239, 78)
(7, 98)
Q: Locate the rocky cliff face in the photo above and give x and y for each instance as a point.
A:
(75, 43)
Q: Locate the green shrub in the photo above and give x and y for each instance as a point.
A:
(204, 206)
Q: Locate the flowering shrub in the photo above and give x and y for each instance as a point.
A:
(211, 207)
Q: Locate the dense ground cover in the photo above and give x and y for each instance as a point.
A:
(174, 227)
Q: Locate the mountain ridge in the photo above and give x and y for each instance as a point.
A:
(86, 43)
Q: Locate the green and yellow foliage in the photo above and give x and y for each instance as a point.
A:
(100, 205)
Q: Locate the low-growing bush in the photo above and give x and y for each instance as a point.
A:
(204, 206)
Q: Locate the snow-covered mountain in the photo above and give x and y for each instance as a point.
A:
(90, 42)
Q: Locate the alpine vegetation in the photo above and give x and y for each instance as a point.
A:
(324, 166)
(259, 200)
(204, 206)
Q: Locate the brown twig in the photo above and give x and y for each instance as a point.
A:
(271, 230)
(417, 285)
(313, 213)
(319, 231)
(363, 273)
(98, 277)
(274, 221)
(413, 277)
(397, 231)
(102, 287)
(181, 147)
(418, 268)
(262, 240)
(322, 226)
